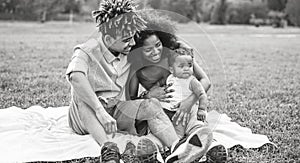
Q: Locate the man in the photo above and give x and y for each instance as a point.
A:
(98, 72)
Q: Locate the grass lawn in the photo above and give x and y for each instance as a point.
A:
(255, 74)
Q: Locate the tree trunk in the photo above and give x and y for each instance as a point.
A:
(71, 17)
(44, 16)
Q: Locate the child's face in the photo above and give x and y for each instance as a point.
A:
(152, 49)
(182, 67)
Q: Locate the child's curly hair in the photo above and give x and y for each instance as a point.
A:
(179, 52)
(118, 17)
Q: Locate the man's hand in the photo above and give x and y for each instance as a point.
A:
(201, 115)
(107, 121)
(112, 102)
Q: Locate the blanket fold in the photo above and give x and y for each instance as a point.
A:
(43, 134)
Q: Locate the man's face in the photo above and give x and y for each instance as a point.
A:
(122, 44)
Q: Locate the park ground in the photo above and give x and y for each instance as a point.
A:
(255, 74)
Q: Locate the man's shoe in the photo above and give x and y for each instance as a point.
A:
(192, 147)
(110, 153)
(216, 154)
(146, 151)
(129, 154)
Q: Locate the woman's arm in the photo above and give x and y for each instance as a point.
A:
(133, 87)
(201, 76)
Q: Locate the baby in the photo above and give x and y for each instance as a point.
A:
(184, 84)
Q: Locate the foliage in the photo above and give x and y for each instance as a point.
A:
(276, 5)
(240, 13)
(214, 11)
(219, 13)
(205, 9)
(293, 11)
(37, 9)
(181, 8)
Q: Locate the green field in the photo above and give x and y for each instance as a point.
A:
(255, 74)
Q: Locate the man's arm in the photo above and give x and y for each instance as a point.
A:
(83, 89)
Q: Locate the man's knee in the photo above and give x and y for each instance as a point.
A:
(151, 108)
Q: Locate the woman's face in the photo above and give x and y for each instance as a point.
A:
(152, 49)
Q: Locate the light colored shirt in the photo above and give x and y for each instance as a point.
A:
(106, 73)
(182, 89)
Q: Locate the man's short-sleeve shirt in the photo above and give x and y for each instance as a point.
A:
(106, 73)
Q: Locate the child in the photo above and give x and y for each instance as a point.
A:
(184, 83)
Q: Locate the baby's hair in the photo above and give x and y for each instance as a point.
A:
(179, 52)
(118, 17)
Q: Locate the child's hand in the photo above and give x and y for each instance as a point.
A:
(201, 114)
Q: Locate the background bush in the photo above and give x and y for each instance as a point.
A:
(293, 12)
(240, 13)
(212, 11)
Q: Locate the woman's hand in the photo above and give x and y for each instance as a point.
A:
(184, 109)
(184, 45)
(160, 93)
(183, 112)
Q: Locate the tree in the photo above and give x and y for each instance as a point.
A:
(293, 11)
(37, 9)
(219, 13)
(48, 8)
(277, 5)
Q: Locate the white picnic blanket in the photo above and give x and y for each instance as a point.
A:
(42, 134)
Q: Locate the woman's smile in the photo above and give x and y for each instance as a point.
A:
(156, 57)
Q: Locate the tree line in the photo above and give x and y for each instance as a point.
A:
(212, 11)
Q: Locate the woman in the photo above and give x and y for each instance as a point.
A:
(149, 58)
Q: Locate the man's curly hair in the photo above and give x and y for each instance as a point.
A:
(118, 17)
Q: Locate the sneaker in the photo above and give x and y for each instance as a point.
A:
(217, 153)
(146, 151)
(129, 154)
(192, 147)
(110, 153)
